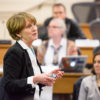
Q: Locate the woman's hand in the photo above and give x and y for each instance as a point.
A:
(44, 79)
(58, 73)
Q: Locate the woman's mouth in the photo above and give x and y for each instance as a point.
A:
(34, 33)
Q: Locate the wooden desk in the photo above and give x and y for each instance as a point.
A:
(3, 49)
(86, 29)
(1, 73)
(65, 84)
(89, 52)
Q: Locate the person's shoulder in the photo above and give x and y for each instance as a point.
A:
(70, 21)
(15, 48)
(48, 19)
(89, 78)
(88, 81)
(46, 22)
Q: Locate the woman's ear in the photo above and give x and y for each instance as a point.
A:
(19, 35)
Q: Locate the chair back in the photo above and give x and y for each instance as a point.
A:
(95, 29)
(85, 12)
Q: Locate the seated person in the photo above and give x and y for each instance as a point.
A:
(73, 30)
(78, 82)
(52, 50)
(90, 86)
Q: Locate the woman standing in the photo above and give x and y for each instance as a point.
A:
(23, 78)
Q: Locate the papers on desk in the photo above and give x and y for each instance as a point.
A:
(87, 43)
(47, 69)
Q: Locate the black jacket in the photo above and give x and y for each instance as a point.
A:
(76, 88)
(73, 30)
(17, 67)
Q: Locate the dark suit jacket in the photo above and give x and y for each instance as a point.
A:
(76, 88)
(17, 67)
(73, 30)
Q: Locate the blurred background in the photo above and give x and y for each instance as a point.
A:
(41, 9)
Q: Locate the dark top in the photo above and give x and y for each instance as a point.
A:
(17, 67)
(76, 88)
(73, 30)
(99, 88)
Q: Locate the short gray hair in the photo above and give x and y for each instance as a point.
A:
(60, 23)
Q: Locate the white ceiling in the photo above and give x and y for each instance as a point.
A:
(18, 5)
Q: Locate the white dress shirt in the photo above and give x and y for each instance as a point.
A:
(35, 66)
(48, 58)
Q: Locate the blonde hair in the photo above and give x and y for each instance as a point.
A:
(17, 22)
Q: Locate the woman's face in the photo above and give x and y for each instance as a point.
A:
(29, 33)
(97, 64)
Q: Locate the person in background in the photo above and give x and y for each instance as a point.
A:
(96, 49)
(23, 78)
(77, 84)
(52, 50)
(73, 30)
(90, 86)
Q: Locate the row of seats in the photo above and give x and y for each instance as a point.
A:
(84, 13)
(88, 12)
(94, 28)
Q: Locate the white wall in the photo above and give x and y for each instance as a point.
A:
(41, 12)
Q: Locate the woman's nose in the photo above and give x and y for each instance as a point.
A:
(34, 27)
